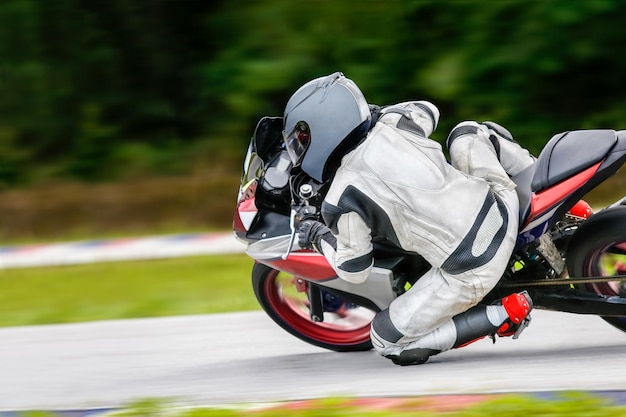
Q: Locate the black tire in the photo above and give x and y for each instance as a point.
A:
(276, 293)
(598, 248)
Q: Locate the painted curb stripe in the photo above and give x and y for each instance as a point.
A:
(432, 404)
(113, 250)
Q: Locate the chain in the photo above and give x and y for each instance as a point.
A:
(564, 281)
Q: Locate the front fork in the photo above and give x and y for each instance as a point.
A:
(321, 300)
(316, 307)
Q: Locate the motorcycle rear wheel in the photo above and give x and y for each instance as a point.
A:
(341, 331)
(598, 248)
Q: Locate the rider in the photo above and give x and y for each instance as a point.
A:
(391, 183)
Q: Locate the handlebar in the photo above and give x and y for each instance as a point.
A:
(297, 215)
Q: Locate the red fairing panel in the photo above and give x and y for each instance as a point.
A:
(308, 265)
(551, 197)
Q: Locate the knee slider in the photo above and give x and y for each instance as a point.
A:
(412, 356)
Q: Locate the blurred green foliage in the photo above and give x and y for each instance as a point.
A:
(114, 89)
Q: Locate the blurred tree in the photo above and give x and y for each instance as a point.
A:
(111, 89)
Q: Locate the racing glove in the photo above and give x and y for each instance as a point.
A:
(311, 233)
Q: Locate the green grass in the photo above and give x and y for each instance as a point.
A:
(192, 285)
(568, 404)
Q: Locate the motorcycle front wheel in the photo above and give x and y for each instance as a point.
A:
(345, 328)
(598, 248)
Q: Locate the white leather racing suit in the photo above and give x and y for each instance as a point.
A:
(397, 186)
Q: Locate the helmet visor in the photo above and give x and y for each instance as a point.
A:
(297, 142)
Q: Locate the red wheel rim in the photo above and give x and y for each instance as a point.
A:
(351, 330)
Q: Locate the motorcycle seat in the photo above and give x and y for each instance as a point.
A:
(566, 154)
(569, 153)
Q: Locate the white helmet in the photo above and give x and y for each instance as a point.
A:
(324, 119)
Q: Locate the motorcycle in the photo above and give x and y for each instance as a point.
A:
(568, 257)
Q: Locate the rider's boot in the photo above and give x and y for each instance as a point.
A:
(506, 318)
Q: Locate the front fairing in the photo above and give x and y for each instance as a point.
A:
(264, 192)
(246, 211)
(265, 144)
(253, 168)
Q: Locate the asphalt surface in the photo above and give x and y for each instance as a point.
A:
(245, 357)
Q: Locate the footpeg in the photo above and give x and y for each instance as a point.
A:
(518, 307)
(522, 326)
